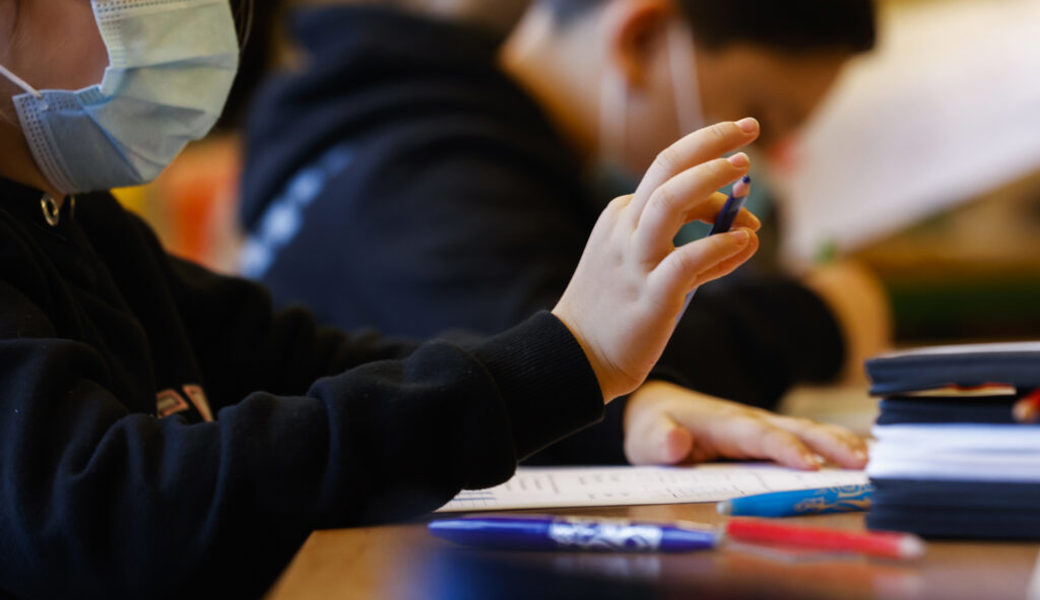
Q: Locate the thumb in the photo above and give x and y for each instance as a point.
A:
(659, 440)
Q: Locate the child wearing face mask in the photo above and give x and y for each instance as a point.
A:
(165, 433)
(478, 169)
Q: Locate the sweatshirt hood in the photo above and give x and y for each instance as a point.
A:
(363, 67)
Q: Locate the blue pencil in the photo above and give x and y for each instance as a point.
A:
(845, 498)
(724, 220)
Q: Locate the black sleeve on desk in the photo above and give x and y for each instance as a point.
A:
(600, 444)
(545, 380)
(127, 505)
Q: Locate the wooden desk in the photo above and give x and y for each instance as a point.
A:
(404, 562)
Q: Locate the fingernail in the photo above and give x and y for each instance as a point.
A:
(748, 125)
(740, 160)
(860, 455)
(739, 236)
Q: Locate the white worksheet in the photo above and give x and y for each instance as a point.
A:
(571, 487)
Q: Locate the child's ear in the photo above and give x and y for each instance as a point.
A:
(636, 31)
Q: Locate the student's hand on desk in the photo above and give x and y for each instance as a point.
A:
(628, 290)
(668, 424)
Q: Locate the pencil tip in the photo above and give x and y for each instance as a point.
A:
(742, 188)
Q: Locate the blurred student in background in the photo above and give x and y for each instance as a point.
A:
(458, 178)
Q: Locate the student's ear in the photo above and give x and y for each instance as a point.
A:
(635, 31)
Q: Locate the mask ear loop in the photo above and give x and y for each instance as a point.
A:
(683, 64)
(613, 115)
(20, 82)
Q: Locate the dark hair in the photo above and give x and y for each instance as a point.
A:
(243, 11)
(253, 19)
(790, 25)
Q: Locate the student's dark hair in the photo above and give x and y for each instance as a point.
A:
(254, 21)
(790, 25)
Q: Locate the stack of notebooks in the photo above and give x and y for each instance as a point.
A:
(949, 458)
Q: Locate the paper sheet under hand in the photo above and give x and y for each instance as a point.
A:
(572, 487)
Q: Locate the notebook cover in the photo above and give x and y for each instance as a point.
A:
(983, 524)
(956, 509)
(955, 494)
(902, 410)
(1015, 364)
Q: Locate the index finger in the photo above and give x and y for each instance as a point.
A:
(698, 147)
(830, 441)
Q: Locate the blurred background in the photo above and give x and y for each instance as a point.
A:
(926, 160)
(923, 166)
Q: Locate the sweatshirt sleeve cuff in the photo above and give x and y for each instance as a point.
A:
(546, 382)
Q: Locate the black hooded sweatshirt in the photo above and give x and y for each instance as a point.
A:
(164, 434)
(403, 158)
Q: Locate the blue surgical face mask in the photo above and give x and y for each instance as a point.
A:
(171, 66)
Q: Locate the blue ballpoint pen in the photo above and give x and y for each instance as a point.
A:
(724, 220)
(574, 533)
(846, 498)
(732, 207)
(547, 532)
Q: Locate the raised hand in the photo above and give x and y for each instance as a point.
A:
(628, 290)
